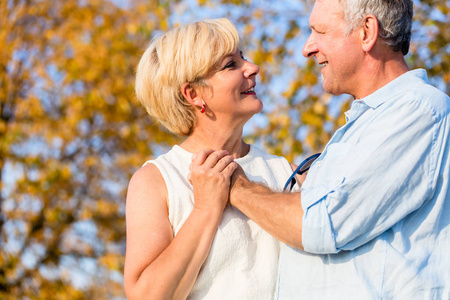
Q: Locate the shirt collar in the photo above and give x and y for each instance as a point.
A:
(396, 86)
(357, 109)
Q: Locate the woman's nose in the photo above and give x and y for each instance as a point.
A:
(250, 69)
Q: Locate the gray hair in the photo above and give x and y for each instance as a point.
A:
(394, 19)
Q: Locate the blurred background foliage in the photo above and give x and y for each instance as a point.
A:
(72, 132)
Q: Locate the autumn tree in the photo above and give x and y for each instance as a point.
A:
(72, 132)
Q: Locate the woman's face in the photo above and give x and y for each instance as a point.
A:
(232, 88)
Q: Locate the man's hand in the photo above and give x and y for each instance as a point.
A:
(238, 182)
(280, 214)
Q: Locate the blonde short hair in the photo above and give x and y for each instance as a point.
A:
(183, 54)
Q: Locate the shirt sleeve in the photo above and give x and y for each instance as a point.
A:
(372, 182)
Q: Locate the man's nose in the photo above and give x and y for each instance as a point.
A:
(310, 48)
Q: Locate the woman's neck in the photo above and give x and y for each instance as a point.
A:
(217, 139)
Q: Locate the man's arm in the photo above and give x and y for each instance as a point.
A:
(280, 214)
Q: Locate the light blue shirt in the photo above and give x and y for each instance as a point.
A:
(376, 203)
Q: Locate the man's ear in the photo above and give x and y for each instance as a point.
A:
(369, 32)
(190, 94)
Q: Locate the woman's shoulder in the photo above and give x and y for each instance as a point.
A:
(258, 152)
(147, 180)
(176, 157)
(257, 157)
(148, 171)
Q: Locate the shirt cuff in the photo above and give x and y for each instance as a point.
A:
(317, 232)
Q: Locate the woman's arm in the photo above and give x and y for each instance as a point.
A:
(158, 266)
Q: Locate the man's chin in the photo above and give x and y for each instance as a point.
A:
(328, 88)
(325, 85)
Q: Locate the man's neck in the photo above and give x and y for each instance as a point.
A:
(379, 71)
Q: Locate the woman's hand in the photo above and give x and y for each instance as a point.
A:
(210, 176)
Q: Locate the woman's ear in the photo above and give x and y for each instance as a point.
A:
(370, 32)
(190, 94)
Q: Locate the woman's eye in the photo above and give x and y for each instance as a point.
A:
(231, 64)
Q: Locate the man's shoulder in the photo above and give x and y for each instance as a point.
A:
(427, 97)
(427, 91)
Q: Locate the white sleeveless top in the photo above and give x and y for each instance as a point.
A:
(243, 260)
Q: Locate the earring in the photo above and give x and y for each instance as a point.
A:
(202, 110)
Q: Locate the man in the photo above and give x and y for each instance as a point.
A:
(373, 218)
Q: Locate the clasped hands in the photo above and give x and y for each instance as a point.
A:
(213, 175)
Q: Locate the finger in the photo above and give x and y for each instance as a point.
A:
(199, 158)
(230, 168)
(214, 157)
(223, 163)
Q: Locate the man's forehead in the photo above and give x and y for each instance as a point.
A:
(329, 6)
(326, 9)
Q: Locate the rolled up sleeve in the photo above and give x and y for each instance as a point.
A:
(317, 233)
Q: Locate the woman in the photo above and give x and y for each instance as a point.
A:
(183, 240)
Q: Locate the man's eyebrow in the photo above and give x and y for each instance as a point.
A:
(317, 27)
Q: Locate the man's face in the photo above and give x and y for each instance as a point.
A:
(340, 55)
